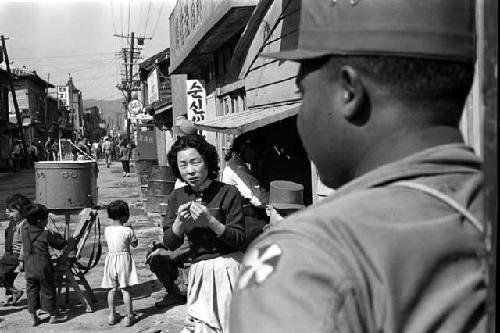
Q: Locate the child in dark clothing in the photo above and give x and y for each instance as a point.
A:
(11, 258)
(39, 272)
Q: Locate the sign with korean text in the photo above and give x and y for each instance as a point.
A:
(153, 93)
(187, 18)
(63, 95)
(146, 145)
(196, 100)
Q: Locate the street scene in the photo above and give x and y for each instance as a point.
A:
(248, 166)
(112, 186)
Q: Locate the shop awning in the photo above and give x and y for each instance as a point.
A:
(164, 108)
(241, 122)
(229, 17)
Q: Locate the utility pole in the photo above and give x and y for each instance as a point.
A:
(14, 100)
(46, 104)
(129, 72)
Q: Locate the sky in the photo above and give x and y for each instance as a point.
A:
(59, 38)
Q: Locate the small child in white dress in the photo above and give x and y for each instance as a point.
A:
(119, 267)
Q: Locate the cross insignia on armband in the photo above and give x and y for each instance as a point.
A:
(259, 265)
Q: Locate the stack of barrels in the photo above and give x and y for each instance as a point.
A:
(143, 170)
(161, 183)
(155, 184)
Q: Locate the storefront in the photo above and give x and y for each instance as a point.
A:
(154, 137)
(259, 98)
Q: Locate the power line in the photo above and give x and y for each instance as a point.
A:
(140, 16)
(155, 27)
(147, 18)
(112, 16)
(97, 76)
(81, 63)
(128, 24)
(121, 17)
(64, 56)
(157, 19)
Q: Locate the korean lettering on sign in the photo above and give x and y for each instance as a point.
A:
(62, 95)
(145, 138)
(196, 100)
(187, 14)
(153, 93)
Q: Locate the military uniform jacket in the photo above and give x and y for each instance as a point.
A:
(36, 242)
(374, 257)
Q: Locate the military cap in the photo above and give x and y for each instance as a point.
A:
(434, 29)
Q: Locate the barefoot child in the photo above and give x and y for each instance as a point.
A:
(119, 267)
(39, 271)
(13, 245)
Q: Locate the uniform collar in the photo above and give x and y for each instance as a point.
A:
(443, 159)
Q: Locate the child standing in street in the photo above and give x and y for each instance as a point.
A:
(13, 246)
(39, 271)
(119, 267)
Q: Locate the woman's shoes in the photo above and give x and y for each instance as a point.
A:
(114, 319)
(131, 320)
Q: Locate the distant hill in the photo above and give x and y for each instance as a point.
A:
(110, 109)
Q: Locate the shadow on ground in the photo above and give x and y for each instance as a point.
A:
(75, 309)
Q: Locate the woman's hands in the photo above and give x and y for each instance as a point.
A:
(183, 215)
(194, 214)
(184, 212)
(199, 213)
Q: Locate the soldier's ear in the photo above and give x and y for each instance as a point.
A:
(353, 93)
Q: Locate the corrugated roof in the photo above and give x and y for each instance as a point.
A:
(241, 122)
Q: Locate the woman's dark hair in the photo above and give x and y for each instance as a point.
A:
(35, 214)
(17, 201)
(118, 209)
(206, 150)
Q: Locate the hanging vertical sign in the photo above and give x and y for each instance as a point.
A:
(196, 100)
(63, 95)
(153, 93)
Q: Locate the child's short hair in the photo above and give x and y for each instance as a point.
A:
(17, 201)
(118, 209)
(36, 214)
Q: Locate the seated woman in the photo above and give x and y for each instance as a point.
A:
(210, 213)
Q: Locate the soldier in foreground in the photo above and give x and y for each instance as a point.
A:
(400, 246)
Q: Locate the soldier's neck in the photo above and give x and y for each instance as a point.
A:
(403, 143)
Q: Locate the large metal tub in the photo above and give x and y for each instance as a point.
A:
(143, 169)
(161, 180)
(66, 185)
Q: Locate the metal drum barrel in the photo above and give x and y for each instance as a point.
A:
(161, 182)
(66, 185)
(143, 169)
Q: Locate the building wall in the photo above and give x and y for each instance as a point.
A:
(179, 93)
(185, 21)
(269, 81)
